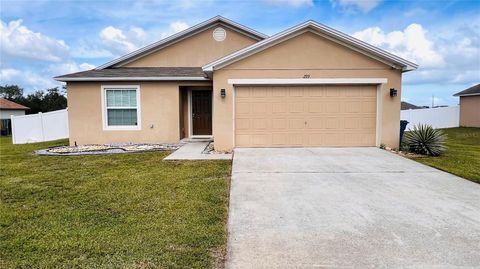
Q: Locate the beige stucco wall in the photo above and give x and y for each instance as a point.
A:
(470, 111)
(196, 50)
(159, 107)
(305, 54)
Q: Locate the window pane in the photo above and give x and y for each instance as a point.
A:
(124, 117)
(121, 98)
(110, 98)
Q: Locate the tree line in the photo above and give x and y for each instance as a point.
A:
(39, 101)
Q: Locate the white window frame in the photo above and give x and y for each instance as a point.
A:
(107, 127)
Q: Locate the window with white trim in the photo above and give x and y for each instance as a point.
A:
(121, 107)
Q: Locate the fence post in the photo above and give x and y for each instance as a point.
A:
(40, 114)
(13, 129)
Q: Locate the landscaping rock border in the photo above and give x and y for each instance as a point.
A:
(106, 149)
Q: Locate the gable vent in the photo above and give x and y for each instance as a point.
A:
(219, 34)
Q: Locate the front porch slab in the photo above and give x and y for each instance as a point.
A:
(194, 151)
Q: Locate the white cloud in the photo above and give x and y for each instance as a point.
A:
(351, 6)
(8, 73)
(411, 43)
(92, 50)
(27, 79)
(40, 79)
(451, 56)
(117, 41)
(292, 3)
(178, 26)
(18, 41)
(67, 68)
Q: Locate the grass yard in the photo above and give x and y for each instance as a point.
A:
(463, 154)
(110, 211)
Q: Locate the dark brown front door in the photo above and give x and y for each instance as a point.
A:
(202, 112)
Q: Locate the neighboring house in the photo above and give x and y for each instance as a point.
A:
(470, 106)
(7, 110)
(309, 85)
(406, 106)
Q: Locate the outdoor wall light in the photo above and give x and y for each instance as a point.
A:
(393, 92)
(223, 93)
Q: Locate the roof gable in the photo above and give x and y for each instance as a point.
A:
(322, 30)
(307, 51)
(194, 50)
(218, 20)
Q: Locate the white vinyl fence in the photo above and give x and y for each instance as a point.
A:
(440, 117)
(40, 127)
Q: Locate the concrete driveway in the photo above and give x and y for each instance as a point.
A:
(349, 208)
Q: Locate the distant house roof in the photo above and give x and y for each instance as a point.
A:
(9, 105)
(406, 106)
(137, 73)
(474, 90)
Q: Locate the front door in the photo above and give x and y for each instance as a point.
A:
(201, 112)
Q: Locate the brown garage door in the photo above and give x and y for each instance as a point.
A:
(293, 116)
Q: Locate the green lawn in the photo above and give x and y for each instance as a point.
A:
(110, 211)
(463, 154)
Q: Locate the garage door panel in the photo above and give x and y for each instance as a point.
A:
(259, 108)
(315, 123)
(315, 106)
(243, 124)
(242, 108)
(295, 107)
(332, 107)
(318, 91)
(279, 92)
(368, 106)
(351, 123)
(296, 124)
(333, 139)
(296, 92)
(353, 106)
(279, 139)
(278, 107)
(261, 92)
(305, 116)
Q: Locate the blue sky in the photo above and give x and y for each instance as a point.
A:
(44, 38)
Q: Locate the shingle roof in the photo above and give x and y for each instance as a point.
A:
(474, 90)
(9, 105)
(406, 106)
(137, 73)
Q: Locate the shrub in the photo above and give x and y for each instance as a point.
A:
(425, 140)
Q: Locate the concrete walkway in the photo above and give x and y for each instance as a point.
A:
(348, 208)
(193, 151)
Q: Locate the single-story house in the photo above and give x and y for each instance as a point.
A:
(7, 110)
(309, 85)
(470, 106)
